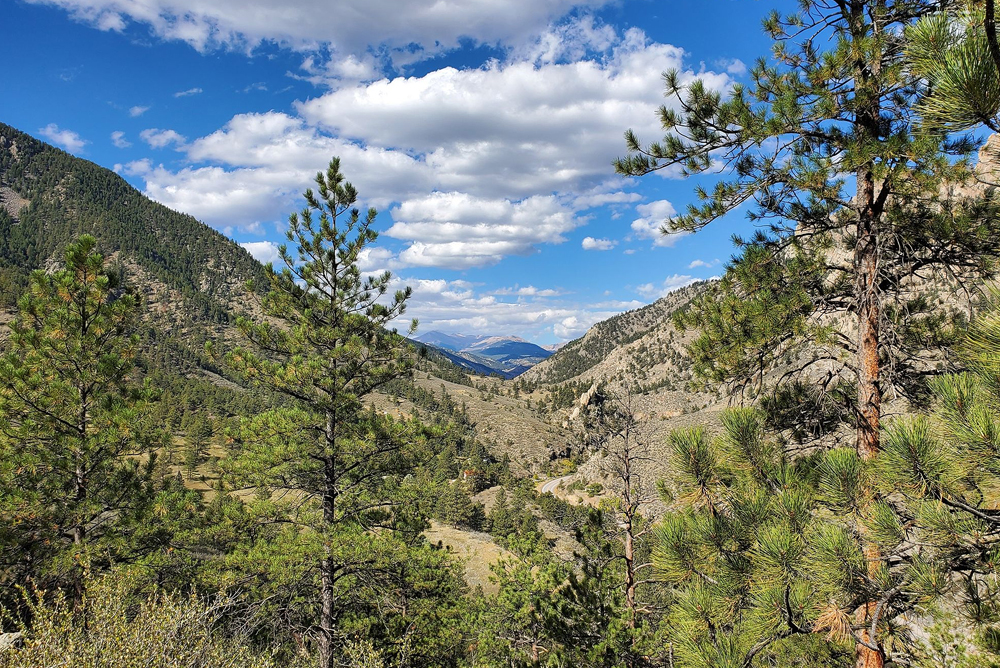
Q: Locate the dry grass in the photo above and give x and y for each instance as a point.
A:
(476, 550)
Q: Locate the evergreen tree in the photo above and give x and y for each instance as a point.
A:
(958, 56)
(943, 472)
(72, 484)
(199, 430)
(759, 563)
(541, 615)
(850, 202)
(821, 147)
(330, 467)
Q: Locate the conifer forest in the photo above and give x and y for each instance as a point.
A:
(210, 462)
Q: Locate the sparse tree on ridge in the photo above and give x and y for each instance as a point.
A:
(614, 426)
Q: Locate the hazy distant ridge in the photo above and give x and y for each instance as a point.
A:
(508, 356)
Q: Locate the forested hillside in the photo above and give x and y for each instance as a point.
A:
(51, 198)
(794, 466)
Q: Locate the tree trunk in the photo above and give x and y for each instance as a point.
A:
(326, 647)
(868, 91)
(79, 535)
(991, 33)
(866, 657)
(328, 569)
(869, 389)
(80, 498)
(866, 293)
(630, 572)
(868, 207)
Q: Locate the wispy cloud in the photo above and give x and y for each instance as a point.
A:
(528, 291)
(669, 284)
(118, 139)
(157, 138)
(137, 111)
(67, 139)
(188, 92)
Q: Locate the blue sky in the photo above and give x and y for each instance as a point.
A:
(482, 131)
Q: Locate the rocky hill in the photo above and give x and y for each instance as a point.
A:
(592, 355)
(643, 349)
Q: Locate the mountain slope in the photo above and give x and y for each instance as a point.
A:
(508, 348)
(191, 278)
(50, 198)
(452, 342)
(602, 351)
(437, 354)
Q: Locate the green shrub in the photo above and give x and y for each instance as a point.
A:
(117, 628)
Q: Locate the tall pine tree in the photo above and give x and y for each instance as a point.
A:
(332, 468)
(851, 219)
(847, 200)
(73, 488)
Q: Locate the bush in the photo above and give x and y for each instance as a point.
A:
(115, 628)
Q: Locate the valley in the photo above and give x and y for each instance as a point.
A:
(217, 454)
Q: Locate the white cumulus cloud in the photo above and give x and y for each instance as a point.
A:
(654, 216)
(473, 165)
(157, 138)
(264, 252)
(512, 129)
(458, 230)
(137, 111)
(67, 139)
(590, 243)
(410, 30)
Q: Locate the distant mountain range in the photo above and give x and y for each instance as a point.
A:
(507, 356)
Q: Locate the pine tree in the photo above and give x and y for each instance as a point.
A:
(758, 562)
(820, 146)
(71, 426)
(957, 54)
(335, 467)
(541, 615)
(943, 471)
